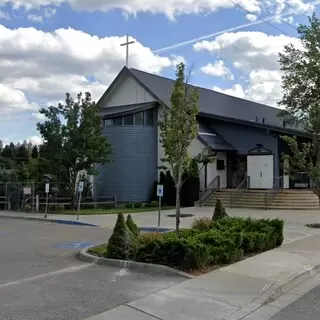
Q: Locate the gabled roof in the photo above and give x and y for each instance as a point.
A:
(212, 103)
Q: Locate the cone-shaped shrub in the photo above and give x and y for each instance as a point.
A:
(120, 245)
(132, 226)
(219, 211)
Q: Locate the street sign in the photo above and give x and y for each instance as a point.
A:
(47, 190)
(159, 190)
(80, 186)
(160, 195)
(26, 190)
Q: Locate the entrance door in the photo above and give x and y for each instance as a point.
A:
(260, 171)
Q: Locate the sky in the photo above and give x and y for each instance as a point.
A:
(50, 47)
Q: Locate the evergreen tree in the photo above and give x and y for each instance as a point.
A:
(219, 211)
(120, 245)
(35, 152)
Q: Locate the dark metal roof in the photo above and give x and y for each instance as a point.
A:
(210, 138)
(213, 103)
(122, 110)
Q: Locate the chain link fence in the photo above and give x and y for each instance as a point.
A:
(31, 197)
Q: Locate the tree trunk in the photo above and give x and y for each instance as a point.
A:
(178, 188)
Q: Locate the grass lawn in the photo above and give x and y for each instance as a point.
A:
(110, 211)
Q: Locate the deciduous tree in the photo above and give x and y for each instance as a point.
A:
(301, 99)
(73, 138)
(178, 127)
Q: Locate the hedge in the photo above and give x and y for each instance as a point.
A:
(218, 242)
(206, 243)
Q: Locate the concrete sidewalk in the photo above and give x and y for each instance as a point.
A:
(230, 293)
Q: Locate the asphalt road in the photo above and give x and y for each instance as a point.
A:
(41, 278)
(307, 307)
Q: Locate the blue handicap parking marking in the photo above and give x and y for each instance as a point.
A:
(2, 233)
(74, 245)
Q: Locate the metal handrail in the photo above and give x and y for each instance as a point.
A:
(236, 193)
(213, 186)
(271, 194)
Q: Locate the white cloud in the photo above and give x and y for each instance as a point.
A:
(177, 59)
(4, 15)
(171, 8)
(217, 69)
(47, 13)
(251, 17)
(255, 55)
(236, 90)
(35, 140)
(46, 65)
(13, 101)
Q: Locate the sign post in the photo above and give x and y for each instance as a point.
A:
(47, 188)
(80, 190)
(160, 195)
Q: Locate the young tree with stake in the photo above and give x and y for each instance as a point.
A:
(178, 127)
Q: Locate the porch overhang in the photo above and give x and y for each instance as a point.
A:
(211, 139)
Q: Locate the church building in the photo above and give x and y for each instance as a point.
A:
(244, 137)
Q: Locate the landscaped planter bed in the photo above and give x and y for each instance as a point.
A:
(206, 246)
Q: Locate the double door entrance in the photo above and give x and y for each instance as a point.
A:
(260, 170)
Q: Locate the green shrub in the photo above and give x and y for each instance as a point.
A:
(121, 244)
(132, 226)
(219, 211)
(129, 205)
(154, 204)
(202, 224)
(105, 206)
(60, 207)
(146, 205)
(27, 208)
(175, 251)
(137, 205)
(86, 206)
(100, 251)
(146, 238)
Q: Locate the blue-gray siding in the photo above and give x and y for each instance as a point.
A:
(245, 138)
(133, 169)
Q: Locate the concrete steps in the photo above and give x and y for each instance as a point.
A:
(287, 199)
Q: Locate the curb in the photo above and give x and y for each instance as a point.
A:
(275, 290)
(157, 268)
(60, 221)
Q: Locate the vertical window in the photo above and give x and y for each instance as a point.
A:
(117, 121)
(149, 117)
(108, 122)
(139, 119)
(128, 120)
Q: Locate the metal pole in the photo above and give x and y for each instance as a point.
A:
(46, 209)
(6, 206)
(33, 193)
(159, 213)
(79, 204)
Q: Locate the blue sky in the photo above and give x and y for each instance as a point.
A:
(51, 47)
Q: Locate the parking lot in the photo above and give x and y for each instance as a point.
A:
(41, 278)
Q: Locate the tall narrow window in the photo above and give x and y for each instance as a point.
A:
(139, 118)
(117, 121)
(128, 120)
(149, 117)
